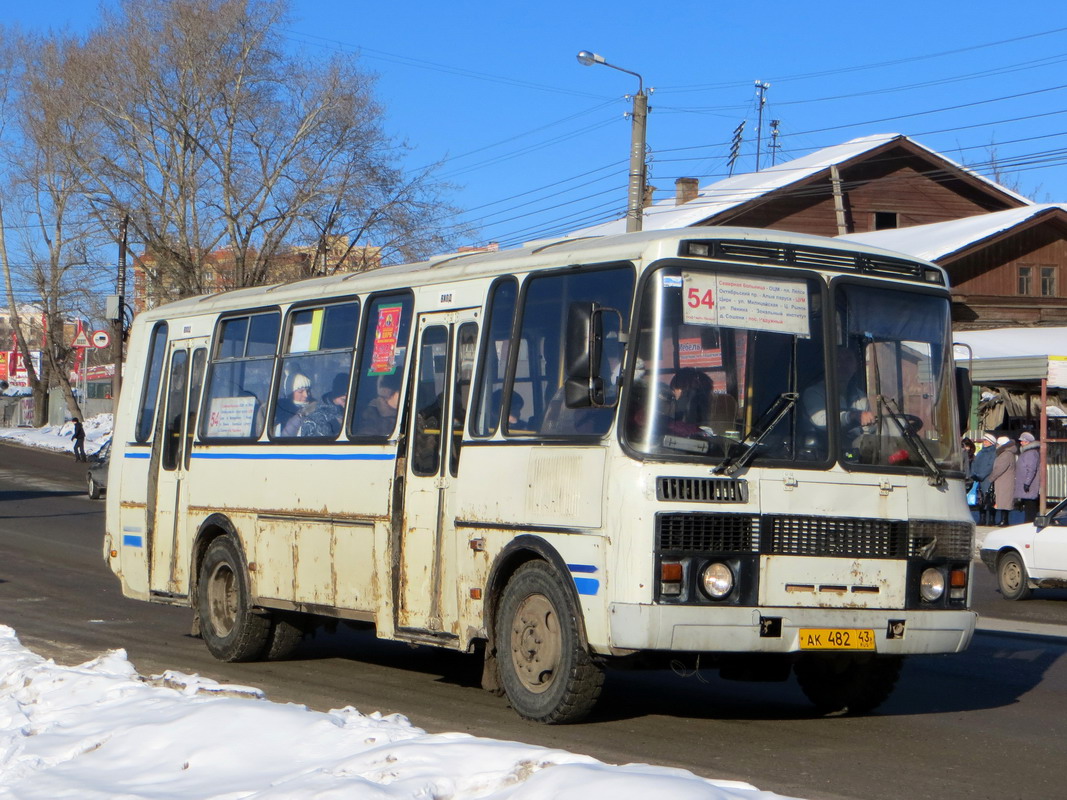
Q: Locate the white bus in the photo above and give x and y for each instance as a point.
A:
(728, 447)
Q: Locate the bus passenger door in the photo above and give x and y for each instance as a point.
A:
(170, 462)
(437, 414)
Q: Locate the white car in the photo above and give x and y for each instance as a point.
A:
(1029, 556)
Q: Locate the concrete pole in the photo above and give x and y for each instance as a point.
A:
(635, 205)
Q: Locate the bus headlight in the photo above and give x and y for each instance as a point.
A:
(932, 585)
(717, 580)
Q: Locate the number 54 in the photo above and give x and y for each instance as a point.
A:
(695, 299)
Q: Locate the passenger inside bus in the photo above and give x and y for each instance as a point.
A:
(325, 420)
(379, 417)
(287, 416)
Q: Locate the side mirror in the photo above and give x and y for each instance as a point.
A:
(1041, 521)
(963, 396)
(584, 351)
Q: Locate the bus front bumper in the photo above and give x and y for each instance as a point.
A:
(704, 629)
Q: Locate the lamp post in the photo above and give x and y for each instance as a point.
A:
(637, 142)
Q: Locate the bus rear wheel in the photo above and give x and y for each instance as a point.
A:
(857, 683)
(545, 667)
(232, 629)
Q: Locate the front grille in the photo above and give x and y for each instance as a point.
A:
(828, 536)
(702, 490)
(707, 533)
(939, 539)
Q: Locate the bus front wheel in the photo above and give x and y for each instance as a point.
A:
(859, 684)
(232, 630)
(545, 668)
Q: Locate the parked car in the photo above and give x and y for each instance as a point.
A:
(96, 477)
(1029, 556)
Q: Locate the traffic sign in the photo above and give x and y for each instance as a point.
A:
(101, 339)
(81, 340)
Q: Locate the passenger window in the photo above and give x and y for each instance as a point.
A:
(382, 354)
(239, 380)
(500, 315)
(466, 346)
(540, 362)
(157, 352)
(316, 366)
(174, 409)
(430, 401)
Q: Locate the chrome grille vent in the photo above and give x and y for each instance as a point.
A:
(938, 539)
(707, 533)
(823, 536)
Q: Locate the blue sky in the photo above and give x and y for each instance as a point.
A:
(537, 144)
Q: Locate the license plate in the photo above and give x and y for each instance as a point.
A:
(836, 639)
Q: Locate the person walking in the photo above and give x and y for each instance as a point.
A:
(78, 435)
(981, 467)
(1003, 479)
(1028, 476)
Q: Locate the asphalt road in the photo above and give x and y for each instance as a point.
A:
(986, 723)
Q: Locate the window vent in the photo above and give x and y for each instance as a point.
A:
(751, 252)
(897, 269)
(702, 490)
(829, 259)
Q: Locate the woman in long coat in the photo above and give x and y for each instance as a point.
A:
(1027, 477)
(1003, 478)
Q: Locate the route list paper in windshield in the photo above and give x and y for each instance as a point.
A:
(741, 301)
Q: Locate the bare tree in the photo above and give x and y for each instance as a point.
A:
(201, 128)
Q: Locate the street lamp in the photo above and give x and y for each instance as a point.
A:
(637, 142)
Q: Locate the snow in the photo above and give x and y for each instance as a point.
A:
(938, 240)
(100, 730)
(727, 193)
(58, 437)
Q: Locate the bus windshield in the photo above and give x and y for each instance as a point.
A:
(732, 366)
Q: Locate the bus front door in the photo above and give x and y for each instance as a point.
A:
(171, 452)
(428, 599)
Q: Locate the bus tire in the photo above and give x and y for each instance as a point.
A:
(858, 684)
(1012, 580)
(286, 633)
(231, 628)
(545, 667)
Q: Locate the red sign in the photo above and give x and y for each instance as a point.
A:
(385, 335)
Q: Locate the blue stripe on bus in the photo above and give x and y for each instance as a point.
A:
(132, 541)
(129, 454)
(299, 456)
(587, 585)
(581, 568)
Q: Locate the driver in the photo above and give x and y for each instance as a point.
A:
(854, 405)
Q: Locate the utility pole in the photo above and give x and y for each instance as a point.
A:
(774, 145)
(116, 314)
(636, 191)
(761, 89)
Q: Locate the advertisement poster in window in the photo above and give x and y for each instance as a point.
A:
(383, 360)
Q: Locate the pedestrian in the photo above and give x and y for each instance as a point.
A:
(968, 454)
(981, 467)
(1028, 476)
(78, 435)
(1003, 478)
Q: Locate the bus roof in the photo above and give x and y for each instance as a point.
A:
(647, 246)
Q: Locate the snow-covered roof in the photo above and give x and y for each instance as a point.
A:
(940, 239)
(1014, 354)
(736, 190)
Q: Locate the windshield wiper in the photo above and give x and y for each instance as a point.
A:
(754, 437)
(934, 475)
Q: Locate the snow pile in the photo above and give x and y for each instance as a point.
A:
(57, 437)
(99, 730)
